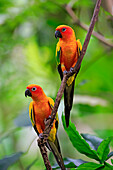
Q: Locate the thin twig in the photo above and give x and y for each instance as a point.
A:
(88, 36)
(48, 123)
(85, 27)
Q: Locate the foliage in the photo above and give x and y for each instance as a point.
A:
(100, 153)
(27, 55)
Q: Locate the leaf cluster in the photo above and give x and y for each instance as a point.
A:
(91, 146)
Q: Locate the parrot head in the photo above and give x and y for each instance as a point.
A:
(33, 91)
(64, 32)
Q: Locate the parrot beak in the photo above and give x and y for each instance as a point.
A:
(28, 93)
(58, 34)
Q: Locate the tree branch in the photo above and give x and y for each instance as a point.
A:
(43, 151)
(85, 27)
(48, 123)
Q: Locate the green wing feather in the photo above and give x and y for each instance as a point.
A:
(58, 53)
(32, 116)
(31, 113)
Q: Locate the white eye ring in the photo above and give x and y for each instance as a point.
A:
(63, 29)
(34, 89)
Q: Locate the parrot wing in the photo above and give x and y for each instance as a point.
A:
(32, 116)
(54, 146)
(58, 54)
(79, 47)
(51, 103)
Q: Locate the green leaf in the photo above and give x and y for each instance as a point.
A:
(93, 141)
(108, 166)
(89, 166)
(103, 148)
(109, 155)
(9, 160)
(78, 142)
(112, 161)
(70, 163)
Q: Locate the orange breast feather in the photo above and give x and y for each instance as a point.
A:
(42, 111)
(68, 54)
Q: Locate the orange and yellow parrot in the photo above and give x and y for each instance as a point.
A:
(67, 52)
(39, 110)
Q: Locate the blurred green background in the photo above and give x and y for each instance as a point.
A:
(27, 55)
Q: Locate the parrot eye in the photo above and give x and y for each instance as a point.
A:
(63, 29)
(34, 89)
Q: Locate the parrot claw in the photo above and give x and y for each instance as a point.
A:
(49, 117)
(71, 69)
(45, 121)
(41, 136)
(65, 72)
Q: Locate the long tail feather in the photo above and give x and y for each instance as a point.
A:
(56, 142)
(56, 153)
(68, 101)
(68, 95)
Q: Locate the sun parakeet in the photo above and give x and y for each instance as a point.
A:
(39, 110)
(67, 52)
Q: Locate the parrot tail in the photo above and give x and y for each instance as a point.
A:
(68, 100)
(55, 148)
(68, 93)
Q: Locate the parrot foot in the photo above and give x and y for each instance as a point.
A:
(49, 117)
(65, 72)
(41, 136)
(71, 69)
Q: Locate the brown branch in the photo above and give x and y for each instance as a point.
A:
(48, 123)
(57, 102)
(43, 150)
(85, 27)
